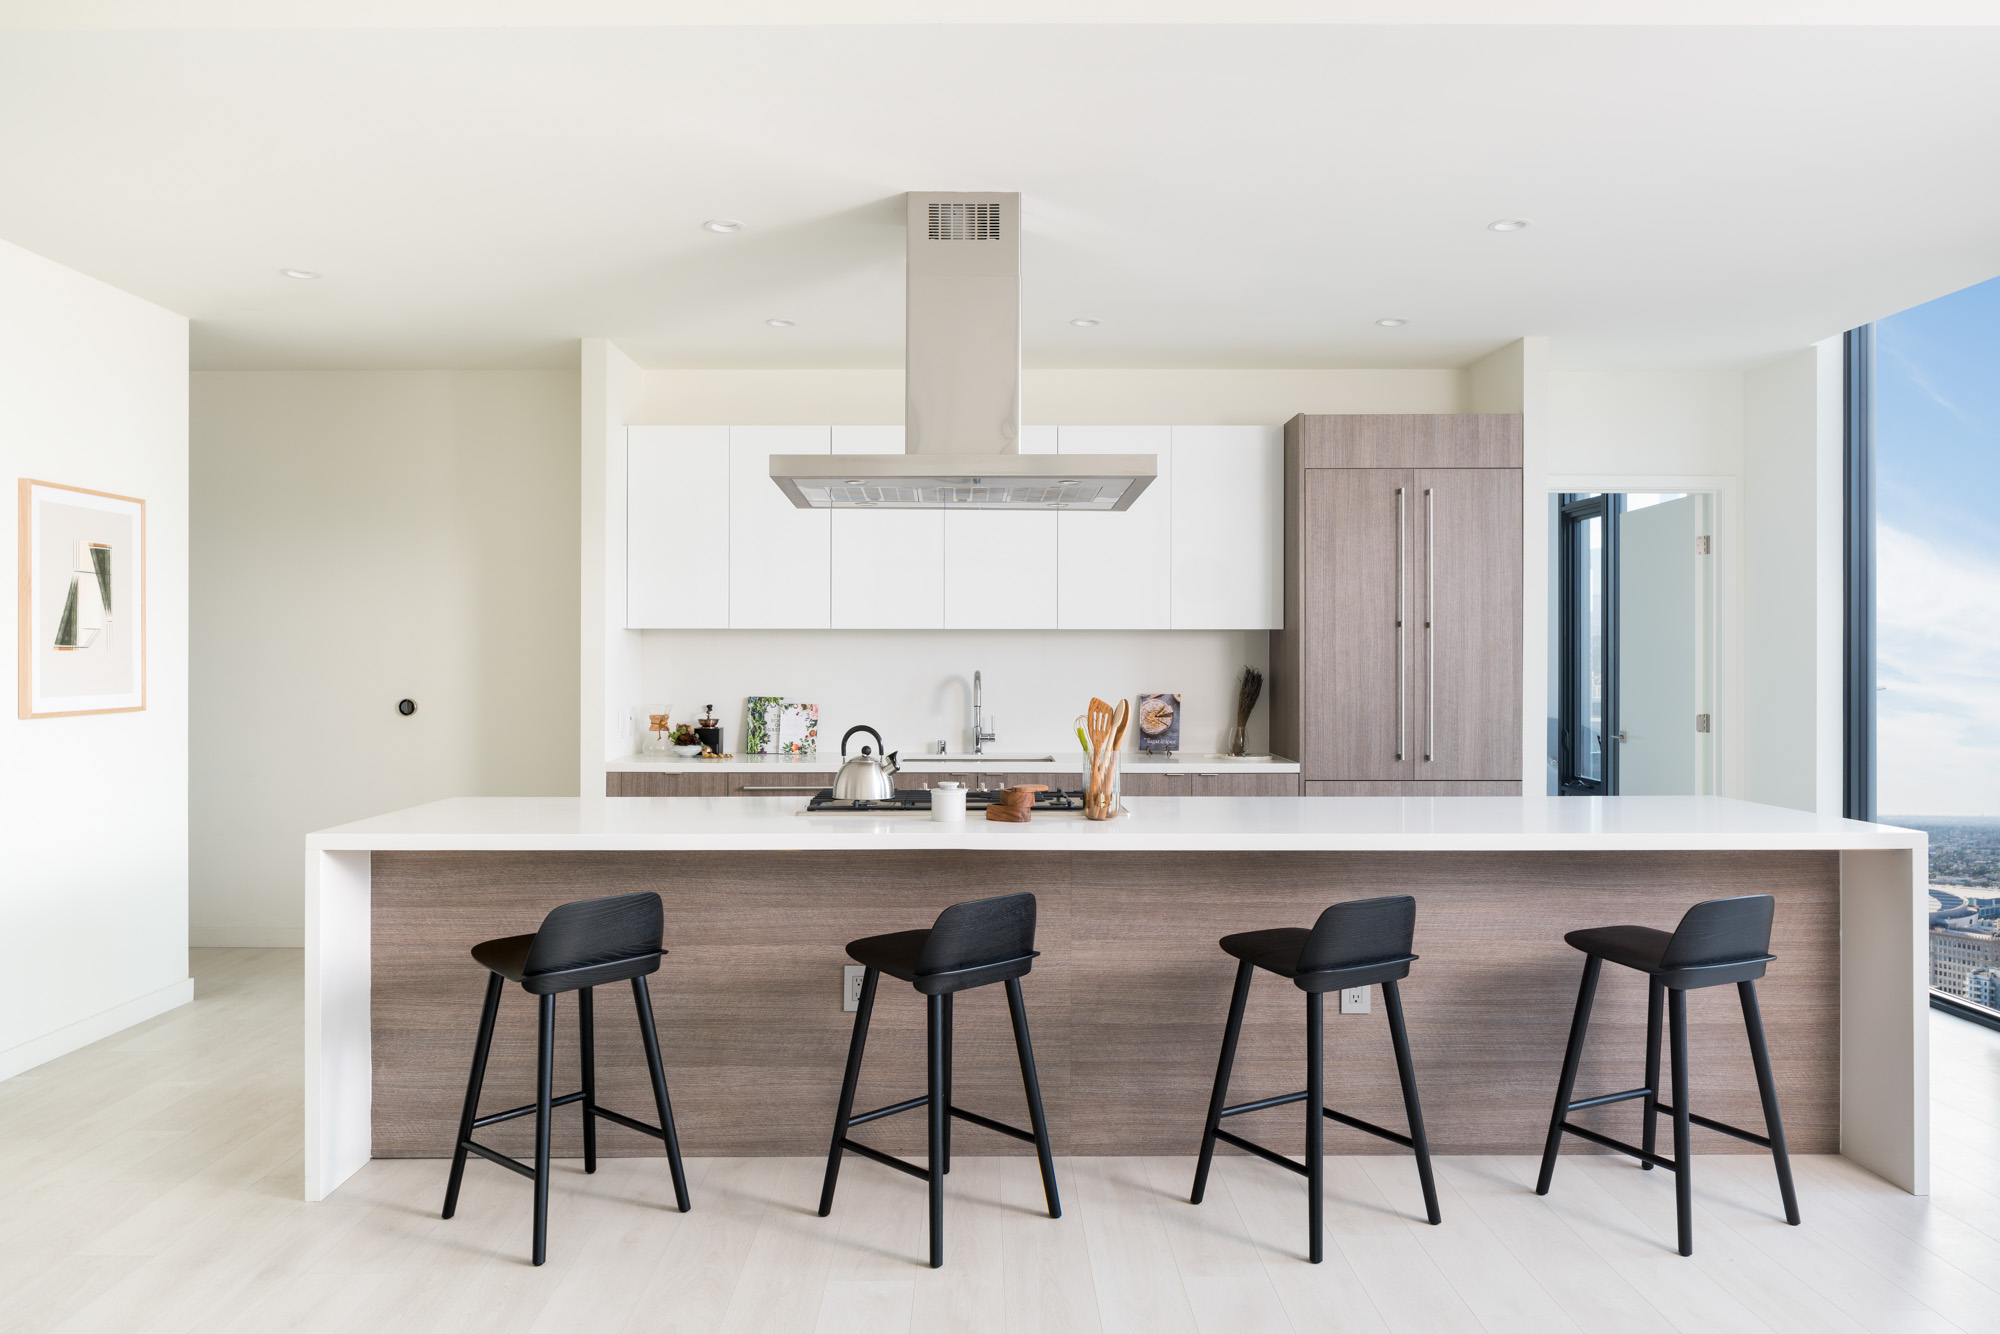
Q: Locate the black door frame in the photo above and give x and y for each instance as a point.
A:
(1573, 511)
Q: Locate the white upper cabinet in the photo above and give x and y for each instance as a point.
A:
(712, 542)
(1116, 569)
(779, 560)
(677, 527)
(1000, 565)
(1228, 527)
(888, 566)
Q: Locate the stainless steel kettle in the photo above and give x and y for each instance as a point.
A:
(865, 777)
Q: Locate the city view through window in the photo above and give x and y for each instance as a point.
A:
(1937, 435)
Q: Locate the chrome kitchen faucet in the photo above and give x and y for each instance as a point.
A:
(980, 736)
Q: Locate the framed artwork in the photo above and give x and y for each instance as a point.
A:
(82, 601)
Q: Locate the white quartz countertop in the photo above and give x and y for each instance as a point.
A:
(1155, 824)
(1065, 762)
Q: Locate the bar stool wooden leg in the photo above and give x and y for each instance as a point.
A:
(586, 1045)
(1656, 994)
(855, 1046)
(1683, 1163)
(1219, 1099)
(934, 1026)
(481, 1047)
(642, 997)
(1392, 1000)
(545, 1062)
(1767, 1090)
(1031, 1084)
(1316, 1124)
(1572, 1058)
(946, 998)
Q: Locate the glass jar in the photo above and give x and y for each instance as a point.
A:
(657, 741)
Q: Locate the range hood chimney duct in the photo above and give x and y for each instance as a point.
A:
(962, 387)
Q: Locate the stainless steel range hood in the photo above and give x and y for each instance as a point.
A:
(962, 388)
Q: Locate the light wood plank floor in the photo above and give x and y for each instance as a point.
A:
(151, 1183)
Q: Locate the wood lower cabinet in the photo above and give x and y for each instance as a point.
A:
(1496, 788)
(1400, 656)
(721, 783)
(1246, 785)
(1156, 785)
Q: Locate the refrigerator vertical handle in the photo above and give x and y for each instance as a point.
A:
(1430, 624)
(1402, 653)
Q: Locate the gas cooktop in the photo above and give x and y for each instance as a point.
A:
(919, 799)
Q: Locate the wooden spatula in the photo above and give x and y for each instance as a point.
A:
(1098, 723)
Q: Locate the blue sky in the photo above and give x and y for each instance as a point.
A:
(1937, 432)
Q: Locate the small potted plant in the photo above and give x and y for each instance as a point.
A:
(686, 744)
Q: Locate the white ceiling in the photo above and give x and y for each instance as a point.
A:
(1217, 196)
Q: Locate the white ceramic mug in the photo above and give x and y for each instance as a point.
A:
(948, 801)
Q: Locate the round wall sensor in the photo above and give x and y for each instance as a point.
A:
(779, 324)
(723, 225)
(298, 273)
(406, 707)
(1507, 225)
(1392, 323)
(1084, 324)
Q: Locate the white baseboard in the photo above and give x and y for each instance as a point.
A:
(248, 938)
(72, 1037)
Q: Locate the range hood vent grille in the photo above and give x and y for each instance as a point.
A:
(984, 496)
(964, 222)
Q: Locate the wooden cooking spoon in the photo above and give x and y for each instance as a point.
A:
(1118, 721)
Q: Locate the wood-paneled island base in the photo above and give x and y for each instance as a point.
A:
(1127, 1001)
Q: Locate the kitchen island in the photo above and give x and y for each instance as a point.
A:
(1128, 998)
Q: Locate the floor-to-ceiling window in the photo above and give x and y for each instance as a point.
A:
(1936, 390)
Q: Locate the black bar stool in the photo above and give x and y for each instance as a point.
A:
(971, 945)
(1352, 945)
(1718, 942)
(581, 945)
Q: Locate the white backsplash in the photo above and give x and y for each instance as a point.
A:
(915, 686)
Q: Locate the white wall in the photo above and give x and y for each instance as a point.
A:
(93, 810)
(612, 388)
(915, 686)
(1792, 597)
(361, 538)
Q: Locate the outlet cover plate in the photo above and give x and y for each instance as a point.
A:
(1354, 1000)
(850, 986)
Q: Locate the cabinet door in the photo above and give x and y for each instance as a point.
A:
(1354, 705)
(1000, 565)
(1117, 569)
(778, 557)
(1447, 789)
(1156, 785)
(887, 565)
(1228, 527)
(639, 784)
(677, 527)
(1467, 664)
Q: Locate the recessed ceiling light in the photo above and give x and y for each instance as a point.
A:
(723, 225)
(1392, 323)
(1067, 481)
(1084, 324)
(855, 481)
(1507, 225)
(779, 324)
(298, 273)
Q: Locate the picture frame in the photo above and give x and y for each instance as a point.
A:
(81, 601)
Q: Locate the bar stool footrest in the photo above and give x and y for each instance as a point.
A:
(480, 1123)
(495, 1156)
(617, 1120)
(1605, 1100)
(1698, 1119)
(1269, 1156)
(886, 1159)
(1285, 1099)
(1621, 1146)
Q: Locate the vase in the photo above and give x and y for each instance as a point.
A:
(1100, 797)
(1237, 741)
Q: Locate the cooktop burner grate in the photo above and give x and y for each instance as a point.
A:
(919, 799)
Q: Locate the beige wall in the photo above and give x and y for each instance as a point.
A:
(361, 538)
(93, 809)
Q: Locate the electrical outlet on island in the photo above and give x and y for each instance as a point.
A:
(850, 986)
(1354, 1000)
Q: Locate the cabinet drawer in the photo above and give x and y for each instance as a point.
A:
(786, 784)
(1246, 785)
(1442, 788)
(663, 785)
(1157, 785)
